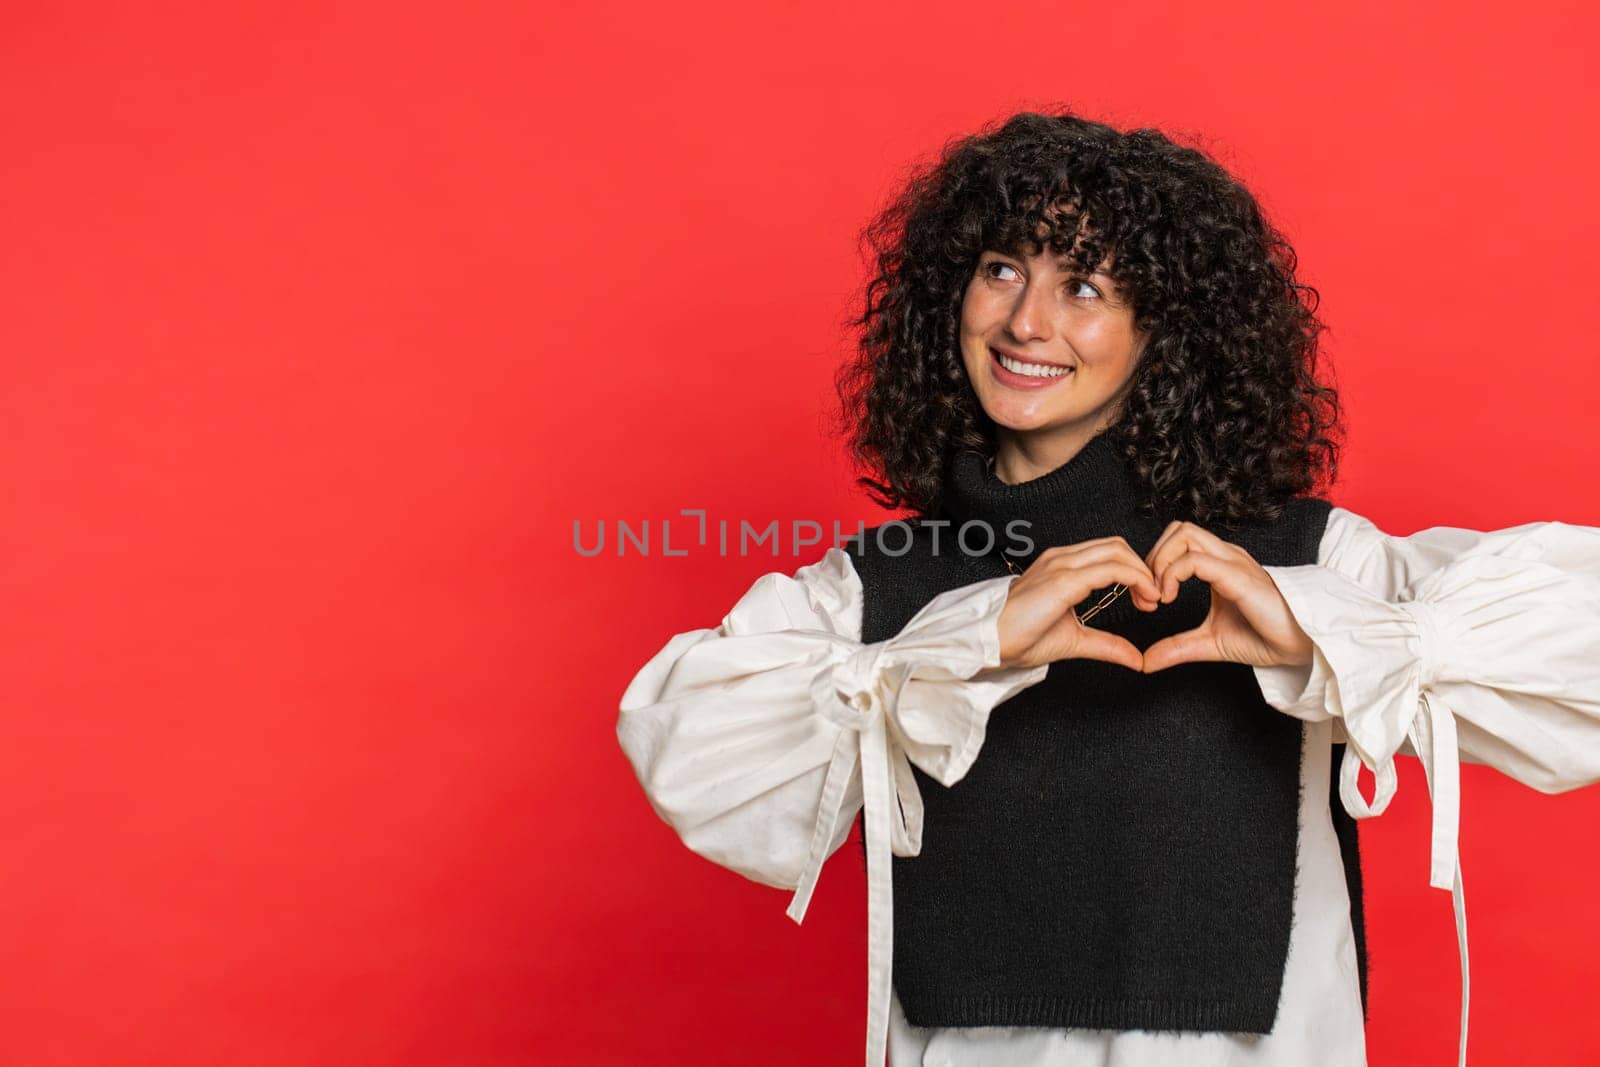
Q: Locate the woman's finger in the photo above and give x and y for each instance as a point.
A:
(1078, 582)
(1225, 576)
(1166, 535)
(1107, 647)
(1084, 552)
(1178, 538)
(1075, 557)
(1190, 646)
(1173, 543)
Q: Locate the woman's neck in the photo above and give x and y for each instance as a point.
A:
(1026, 455)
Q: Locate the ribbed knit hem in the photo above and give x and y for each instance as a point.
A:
(1095, 1013)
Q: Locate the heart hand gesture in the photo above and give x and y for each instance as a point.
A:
(1038, 624)
(1249, 621)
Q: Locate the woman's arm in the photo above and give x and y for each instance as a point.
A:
(732, 731)
(758, 741)
(1450, 643)
(1501, 626)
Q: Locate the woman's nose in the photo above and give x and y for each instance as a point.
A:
(1030, 318)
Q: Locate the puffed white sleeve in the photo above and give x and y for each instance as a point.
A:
(1501, 626)
(749, 738)
(1449, 644)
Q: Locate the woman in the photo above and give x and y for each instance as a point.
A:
(1087, 369)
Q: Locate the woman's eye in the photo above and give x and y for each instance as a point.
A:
(1082, 288)
(989, 268)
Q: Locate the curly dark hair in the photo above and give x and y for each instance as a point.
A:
(1224, 421)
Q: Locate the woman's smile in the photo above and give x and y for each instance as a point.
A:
(1014, 372)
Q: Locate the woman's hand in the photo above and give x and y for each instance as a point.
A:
(1038, 625)
(1249, 621)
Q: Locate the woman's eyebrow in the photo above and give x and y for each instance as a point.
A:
(1063, 263)
(1067, 266)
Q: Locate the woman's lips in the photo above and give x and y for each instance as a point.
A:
(1014, 380)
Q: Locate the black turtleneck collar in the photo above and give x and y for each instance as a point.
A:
(1093, 494)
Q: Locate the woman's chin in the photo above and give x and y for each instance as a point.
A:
(1022, 418)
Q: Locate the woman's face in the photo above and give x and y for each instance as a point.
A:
(1047, 349)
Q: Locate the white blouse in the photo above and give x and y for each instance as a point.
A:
(759, 740)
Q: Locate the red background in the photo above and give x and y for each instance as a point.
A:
(322, 326)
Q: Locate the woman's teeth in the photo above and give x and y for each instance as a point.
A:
(1032, 370)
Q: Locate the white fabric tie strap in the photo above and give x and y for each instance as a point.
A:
(920, 698)
(1433, 737)
(852, 693)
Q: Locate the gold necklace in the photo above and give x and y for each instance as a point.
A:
(1105, 601)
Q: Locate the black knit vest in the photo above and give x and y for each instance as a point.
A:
(1122, 853)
